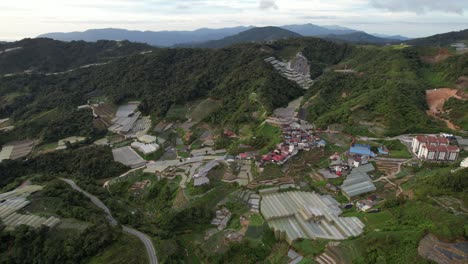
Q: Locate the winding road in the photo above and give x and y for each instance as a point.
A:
(153, 259)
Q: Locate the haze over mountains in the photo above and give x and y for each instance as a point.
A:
(188, 38)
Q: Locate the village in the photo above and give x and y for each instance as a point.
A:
(307, 186)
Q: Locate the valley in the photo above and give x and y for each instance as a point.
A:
(286, 150)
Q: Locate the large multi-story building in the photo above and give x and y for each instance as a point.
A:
(434, 148)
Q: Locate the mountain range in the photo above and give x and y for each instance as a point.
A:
(189, 38)
(258, 34)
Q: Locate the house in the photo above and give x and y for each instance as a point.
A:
(321, 143)
(383, 150)
(244, 156)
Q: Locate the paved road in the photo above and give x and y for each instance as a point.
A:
(144, 238)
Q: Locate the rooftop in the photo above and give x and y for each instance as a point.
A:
(298, 214)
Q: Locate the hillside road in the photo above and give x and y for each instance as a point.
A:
(143, 238)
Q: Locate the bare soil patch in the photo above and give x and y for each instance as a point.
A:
(436, 99)
(442, 55)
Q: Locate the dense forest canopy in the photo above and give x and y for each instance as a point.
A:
(47, 55)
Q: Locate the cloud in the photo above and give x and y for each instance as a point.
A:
(267, 4)
(183, 7)
(421, 6)
(317, 17)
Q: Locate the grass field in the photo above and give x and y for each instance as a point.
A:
(397, 149)
(310, 248)
(177, 112)
(127, 249)
(203, 109)
(271, 171)
(256, 220)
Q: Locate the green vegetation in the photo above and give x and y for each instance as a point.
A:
(389, 91)
(396, 148)
(310, 248)
(441, 39)
(83, 163)
(127, 249)
(72, 241)
(47, 55)
(457, 112)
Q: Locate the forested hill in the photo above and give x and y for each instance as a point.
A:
(359, 38)
(238, 76)
(47, 55)
(441, 39)
(261, 34)
(386, 94)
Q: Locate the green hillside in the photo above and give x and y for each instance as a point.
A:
(359, 37)
(386, 95)
(168, 77)
(441, 39)
(47, 55)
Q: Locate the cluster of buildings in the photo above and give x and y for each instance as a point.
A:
(129, 122)
(201, 178)
(296, 70)
(366, 205)
(221, 219)
(460, 47)
(294, 139)
(434, 148)
(297, 214)
(13, 201)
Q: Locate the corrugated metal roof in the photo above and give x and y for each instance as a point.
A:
(282, 211)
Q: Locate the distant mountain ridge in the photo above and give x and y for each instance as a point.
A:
(155, 38)
(311, 30)
(395, 37)
(359, 37)
(259, 34)
(443, 39)
(171, 38)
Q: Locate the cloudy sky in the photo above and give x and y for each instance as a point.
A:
(413, 18)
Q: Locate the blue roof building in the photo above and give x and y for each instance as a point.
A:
(322, 143)
(361, 149)
(383, 150)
